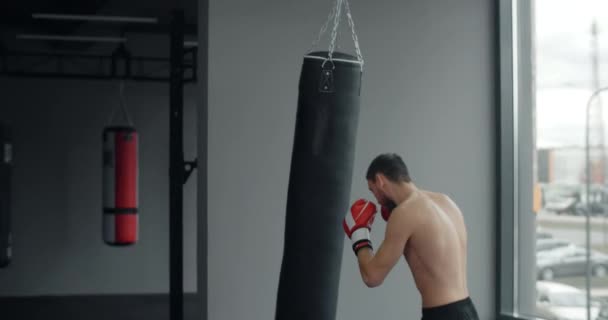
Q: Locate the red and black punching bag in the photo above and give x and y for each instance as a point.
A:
(120, 185)
(6, 161)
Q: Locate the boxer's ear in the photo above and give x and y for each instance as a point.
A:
(380, 180)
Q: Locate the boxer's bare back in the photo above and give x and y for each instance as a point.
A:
(436, 250)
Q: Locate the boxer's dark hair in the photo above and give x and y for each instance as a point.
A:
(391, 165)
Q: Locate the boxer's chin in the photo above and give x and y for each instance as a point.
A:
(390, 204)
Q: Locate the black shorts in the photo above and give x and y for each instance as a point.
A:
(459, 310)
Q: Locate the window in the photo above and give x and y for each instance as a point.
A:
(552, 160)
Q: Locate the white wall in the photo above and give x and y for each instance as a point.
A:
(427, 94)
(58, 248)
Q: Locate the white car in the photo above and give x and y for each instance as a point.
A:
(563, 302)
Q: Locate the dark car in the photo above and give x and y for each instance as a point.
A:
(570, 261)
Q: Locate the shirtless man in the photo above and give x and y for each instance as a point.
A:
(426, 228)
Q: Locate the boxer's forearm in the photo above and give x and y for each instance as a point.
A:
(370, 277)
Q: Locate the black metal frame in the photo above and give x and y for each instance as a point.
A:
(118, 65)
(109, 68)
(177, 169)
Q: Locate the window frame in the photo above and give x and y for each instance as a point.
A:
(513, 51)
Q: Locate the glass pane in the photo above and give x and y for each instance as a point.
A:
(570, 53)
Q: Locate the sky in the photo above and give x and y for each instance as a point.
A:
(563, 50)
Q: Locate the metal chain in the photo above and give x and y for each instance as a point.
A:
(323, 29)
(123, 106)
(336, 15)
(334, 31)
(351, 22)
(123, 103)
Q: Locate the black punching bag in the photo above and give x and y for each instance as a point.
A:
(319, 186)
(5, 196)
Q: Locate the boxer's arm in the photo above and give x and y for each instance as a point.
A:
(375, 267)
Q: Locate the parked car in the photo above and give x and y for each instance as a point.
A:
(557, 301)
(572, 199)
(568, 206)
(540, 234)
(561, 198)
(550, 244)
(557, 252)
(570, 261)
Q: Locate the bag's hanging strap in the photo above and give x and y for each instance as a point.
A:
(123, 106)
(335, 15)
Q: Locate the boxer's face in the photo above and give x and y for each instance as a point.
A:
(378, 188)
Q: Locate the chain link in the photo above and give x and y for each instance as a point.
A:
(323, 29)
(334, 32)
(123, 105)
(335, 15)
(351, 22)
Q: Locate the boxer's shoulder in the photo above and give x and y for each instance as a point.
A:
(437, 196)
(422, 200)
(410, 209)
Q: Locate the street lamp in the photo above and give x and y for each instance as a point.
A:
(588, 196)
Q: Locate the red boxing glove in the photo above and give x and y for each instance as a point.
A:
(358, 223)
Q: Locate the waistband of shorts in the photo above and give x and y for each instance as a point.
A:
(447, 309)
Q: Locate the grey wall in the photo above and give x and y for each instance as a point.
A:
(427, 94)
(58, 248)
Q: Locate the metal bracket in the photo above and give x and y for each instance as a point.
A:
(326, 83)
(121, 62)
